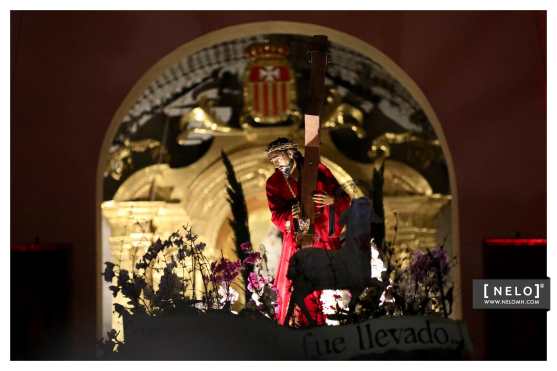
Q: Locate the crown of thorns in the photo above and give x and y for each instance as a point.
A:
(271, 149)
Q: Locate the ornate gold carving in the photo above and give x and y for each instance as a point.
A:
(120, 159)
(381, 146)
(417, 219)
(339, 115)
(403, 180)
(202, 120)
(265, 76)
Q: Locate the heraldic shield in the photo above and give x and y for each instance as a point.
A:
(269, 86)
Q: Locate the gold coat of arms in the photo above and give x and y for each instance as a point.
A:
(269, 86)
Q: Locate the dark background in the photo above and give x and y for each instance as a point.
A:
(483, 72)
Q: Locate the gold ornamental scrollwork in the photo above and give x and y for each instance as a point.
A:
(341, 115)
(120, 159)
(381, 146)
(202, 120)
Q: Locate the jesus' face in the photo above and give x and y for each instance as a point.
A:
(282, 161)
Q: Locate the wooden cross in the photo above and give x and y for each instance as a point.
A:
(318, 61)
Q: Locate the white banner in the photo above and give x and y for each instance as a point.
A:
(382, 335)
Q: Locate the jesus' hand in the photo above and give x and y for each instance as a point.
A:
(322, 200)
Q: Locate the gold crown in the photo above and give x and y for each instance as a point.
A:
(266, 50)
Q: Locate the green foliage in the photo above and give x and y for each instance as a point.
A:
(376, 194)
(239, 220)
(413, 283)
(180, 251)
(420, 284)
(175, 295)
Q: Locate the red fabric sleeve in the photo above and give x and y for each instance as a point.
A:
(281, 209)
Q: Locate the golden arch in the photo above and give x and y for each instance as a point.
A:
(269, 27)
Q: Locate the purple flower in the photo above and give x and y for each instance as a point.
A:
(441, 258)
(420, 265)
(252, 258)
(245, 246)
(256, 282)
(276, 299)
(425, 262)
(225, 270)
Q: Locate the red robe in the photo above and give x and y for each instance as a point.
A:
(280, 201)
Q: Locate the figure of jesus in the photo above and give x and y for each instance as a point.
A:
(283, 195)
